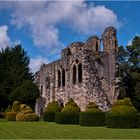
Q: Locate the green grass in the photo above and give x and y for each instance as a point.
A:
(45, 130)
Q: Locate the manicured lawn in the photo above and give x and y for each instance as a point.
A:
(45, 130)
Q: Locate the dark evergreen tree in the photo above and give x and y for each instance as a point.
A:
(14, 69)
(26, 93)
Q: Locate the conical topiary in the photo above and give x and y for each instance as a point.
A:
(71, 106)
(92, 107)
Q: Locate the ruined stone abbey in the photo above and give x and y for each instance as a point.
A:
(84, 73)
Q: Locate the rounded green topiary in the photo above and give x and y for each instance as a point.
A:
(123, 107)
(125, 101)
(49, 114)
(122, 115)
(92, 107)
(71, 106)
(53, 107)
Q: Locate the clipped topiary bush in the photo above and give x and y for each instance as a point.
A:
(69, 114)
(122, 115)
(53, 107)
(67, 117)
(71, 106)
(8, 109)
(92, 107)
(92, 116)
(16, 106)
(11, 116)
(49, 114)
(26, 114)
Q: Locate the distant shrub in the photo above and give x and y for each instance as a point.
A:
(26, 114)
(122, 115)
(67, 118)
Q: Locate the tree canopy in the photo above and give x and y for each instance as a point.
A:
(14, 70)
(129, 71)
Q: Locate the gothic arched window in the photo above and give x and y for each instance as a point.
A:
(59, 78)
(79, 73)
(63, 77)
(74, 74)
(96, 46)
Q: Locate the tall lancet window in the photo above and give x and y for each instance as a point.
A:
(74, 74)
(63, 77)
(59, 78)
(79, 73)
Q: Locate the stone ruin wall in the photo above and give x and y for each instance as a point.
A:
(99, 74)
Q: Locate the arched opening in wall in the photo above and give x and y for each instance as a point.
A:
(74, 74)
(102, 46)
(116, 44)
(59, 78)
(80, 73)
(60, 102)
(63, 77)
(96, 46)
(41, 90)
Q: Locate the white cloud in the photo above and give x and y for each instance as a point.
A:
(36, 62)
(129, 42)
(42, 18)
(4, 38)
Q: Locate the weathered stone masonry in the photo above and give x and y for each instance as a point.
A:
(83, 73)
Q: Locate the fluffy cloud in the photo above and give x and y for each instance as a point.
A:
(36, 62)
(43, 19)
(4, 38)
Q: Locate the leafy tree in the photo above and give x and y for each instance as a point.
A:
(14, 69)
(26, 93)
(129, 71)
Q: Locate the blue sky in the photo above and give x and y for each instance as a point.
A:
(45, 27)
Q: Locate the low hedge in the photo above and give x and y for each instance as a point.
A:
(67, 118)
(138, 114)
(49, 116)
(11, 116)
(92, 119)
(120, 121)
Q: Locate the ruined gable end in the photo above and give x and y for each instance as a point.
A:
(83, 73)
